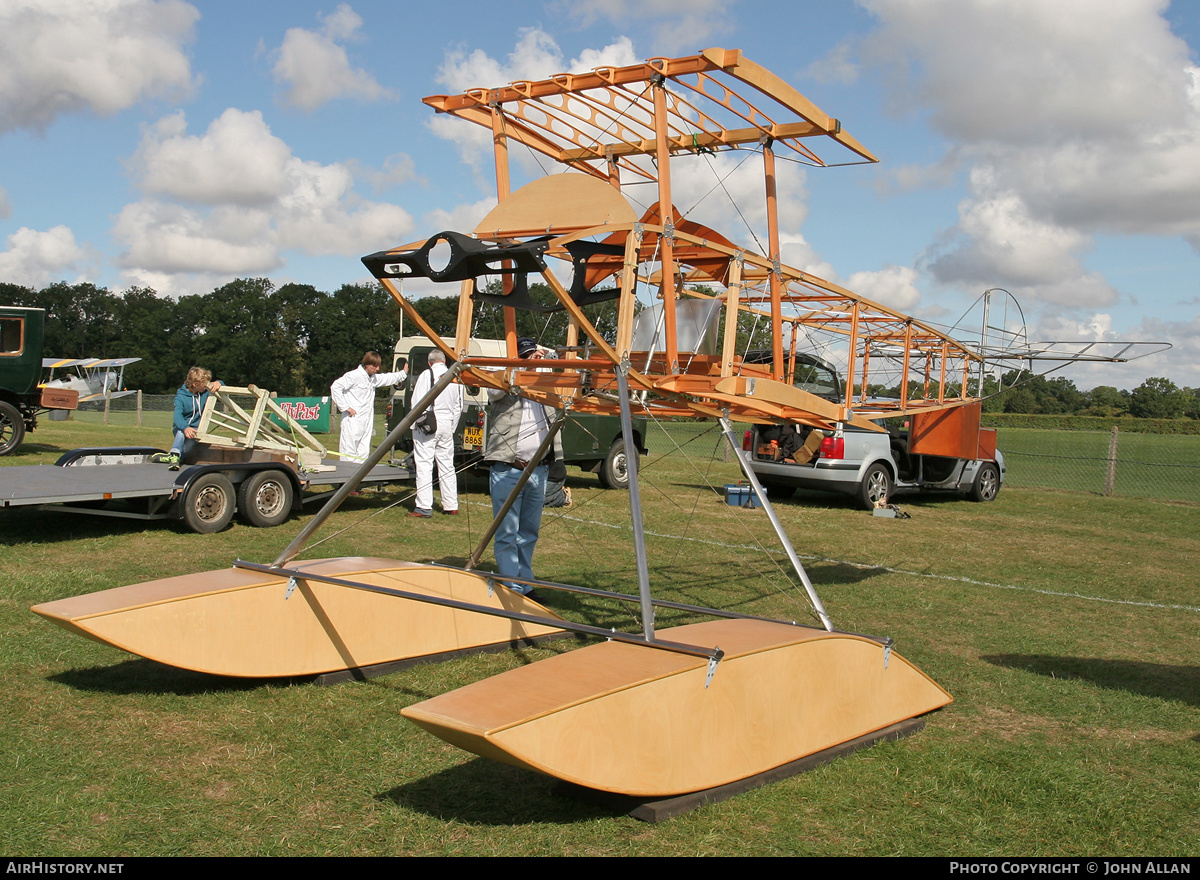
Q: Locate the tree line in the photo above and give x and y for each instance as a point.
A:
(1030, 394)
(293, 339)
(296, 340)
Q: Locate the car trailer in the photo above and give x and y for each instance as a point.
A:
(123, 482)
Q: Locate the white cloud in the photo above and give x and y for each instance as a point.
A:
(460, 218)
(723, 190)
(397, 168)
(1075, 118)
(166, 237)
(892, 286)
(36, 259)
(236, 160)
(1181, 363)
(315, 69)
(321, 215)
(233, 200)
(67, 56)
(676, 26)
(838, 66)
(535, 56)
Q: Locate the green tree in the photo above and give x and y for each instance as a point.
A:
(1105, 400)
(354, 319)
(298, 307)
(440, 312)
(1157, 398)
(242, 338)
(148, 331)
(80, 319)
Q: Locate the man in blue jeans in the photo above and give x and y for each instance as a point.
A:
(517, 427)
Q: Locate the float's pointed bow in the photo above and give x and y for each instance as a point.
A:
(238, 622)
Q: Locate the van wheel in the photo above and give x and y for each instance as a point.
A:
(875, 488)
(12, 427)
(987, 483)
(265, 500)
(614, 470)
(208, 503)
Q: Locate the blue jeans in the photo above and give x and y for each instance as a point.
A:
(182, 444)
(518, 533)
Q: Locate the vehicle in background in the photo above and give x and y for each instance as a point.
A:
(590, 442)
(22, 332)
(940, 451)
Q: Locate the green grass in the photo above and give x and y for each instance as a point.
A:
(1063, 624)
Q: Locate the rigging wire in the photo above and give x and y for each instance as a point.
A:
(757, 543)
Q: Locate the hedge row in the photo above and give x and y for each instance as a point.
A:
(1092, 423)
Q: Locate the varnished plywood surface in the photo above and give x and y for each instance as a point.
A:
(237, 622)
(633, 720)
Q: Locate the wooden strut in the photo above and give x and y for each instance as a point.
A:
(253, 429)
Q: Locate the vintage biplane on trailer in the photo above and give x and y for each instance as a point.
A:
(662, 712)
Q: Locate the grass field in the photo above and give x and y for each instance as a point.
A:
(1063, 623)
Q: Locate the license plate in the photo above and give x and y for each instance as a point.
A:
(472, 438)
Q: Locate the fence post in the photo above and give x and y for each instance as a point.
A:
(1110, 477)
(139, 408)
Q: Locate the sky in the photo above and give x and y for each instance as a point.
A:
(1048, 148)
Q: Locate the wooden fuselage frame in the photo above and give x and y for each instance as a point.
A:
(629, 122)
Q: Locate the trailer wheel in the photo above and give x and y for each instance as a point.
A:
(12, 427)
(614, 470)
(265, 500)
(208, 503)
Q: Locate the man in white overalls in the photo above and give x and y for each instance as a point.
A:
(354, 396)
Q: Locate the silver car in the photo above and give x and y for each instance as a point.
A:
(868, 466)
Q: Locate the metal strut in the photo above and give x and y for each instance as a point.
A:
(635, 503)
(776, 525)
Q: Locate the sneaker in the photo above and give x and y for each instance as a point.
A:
(171, 458)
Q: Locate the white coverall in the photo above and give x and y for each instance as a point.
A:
(356, 391)
(437, 447)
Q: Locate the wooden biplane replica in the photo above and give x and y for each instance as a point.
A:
(93, 378)
(654, 713)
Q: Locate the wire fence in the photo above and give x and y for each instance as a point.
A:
(1163, 466)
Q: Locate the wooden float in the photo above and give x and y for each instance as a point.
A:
(238, 622)
(636, 720)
